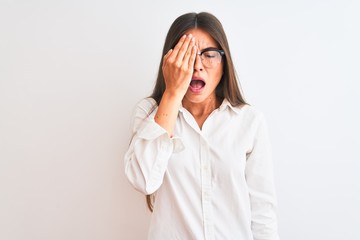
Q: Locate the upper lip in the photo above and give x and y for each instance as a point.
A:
(197, 78)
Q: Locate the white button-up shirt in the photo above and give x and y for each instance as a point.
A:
(210, 183)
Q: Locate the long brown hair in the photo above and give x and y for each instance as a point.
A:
(229, 86)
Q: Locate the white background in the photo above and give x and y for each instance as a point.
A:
(71, 72)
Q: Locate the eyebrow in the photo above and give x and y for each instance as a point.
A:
(209, 49)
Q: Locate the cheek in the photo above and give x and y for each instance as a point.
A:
(217, 75)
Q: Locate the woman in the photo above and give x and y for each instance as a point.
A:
(199, 151)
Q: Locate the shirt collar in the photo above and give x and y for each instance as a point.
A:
(224, 105)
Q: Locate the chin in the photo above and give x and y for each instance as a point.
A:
(196, 98)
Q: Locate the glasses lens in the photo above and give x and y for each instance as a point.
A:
(210, 58)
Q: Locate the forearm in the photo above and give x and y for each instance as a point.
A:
(167, 112)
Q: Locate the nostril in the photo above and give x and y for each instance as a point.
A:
(198, 65)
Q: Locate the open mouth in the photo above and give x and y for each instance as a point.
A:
(196, 85)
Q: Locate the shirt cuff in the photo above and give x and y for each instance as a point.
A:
(152, 131)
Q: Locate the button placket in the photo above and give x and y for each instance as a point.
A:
(206, 189)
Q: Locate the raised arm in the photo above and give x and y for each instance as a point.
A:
(152, 143)
(178, 67)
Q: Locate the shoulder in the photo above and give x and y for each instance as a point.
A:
(142, 110)
(252, 119)
(249, 113)
(146, 105)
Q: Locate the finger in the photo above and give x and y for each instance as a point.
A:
(172, 57)
(184, 48)
(166, 56)
(180, 43)
(192, 57)
(189, 51)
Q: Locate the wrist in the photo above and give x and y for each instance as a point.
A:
(172, 97)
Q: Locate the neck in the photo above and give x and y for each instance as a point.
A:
(202, 109)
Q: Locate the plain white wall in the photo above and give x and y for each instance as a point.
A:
(72, 71)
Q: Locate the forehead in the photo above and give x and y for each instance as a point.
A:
(202, 39)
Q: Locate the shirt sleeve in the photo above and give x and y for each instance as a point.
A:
(150, 149)
(260, 181)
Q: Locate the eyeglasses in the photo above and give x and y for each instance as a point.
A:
(211, 57)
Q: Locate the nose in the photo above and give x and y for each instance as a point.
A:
(198, 63)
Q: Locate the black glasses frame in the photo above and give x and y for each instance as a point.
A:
(222, 53)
